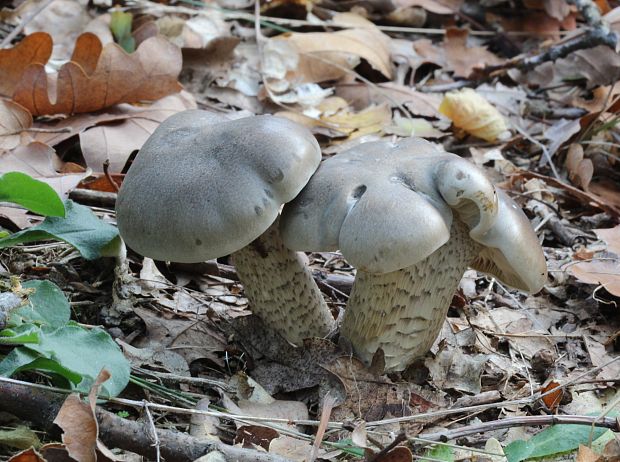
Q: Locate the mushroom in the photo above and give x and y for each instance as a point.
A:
(204, 186)
(411, 219)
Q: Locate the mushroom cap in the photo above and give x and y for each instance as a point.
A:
(511, 250)
(204, 186)
(377, 203)
(388, 206)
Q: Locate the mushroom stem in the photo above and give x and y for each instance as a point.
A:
(281, 289)
(402, 312)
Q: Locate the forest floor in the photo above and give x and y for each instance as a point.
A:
(525, 90)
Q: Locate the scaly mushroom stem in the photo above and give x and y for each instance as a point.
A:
(281, 289)
(403, 311)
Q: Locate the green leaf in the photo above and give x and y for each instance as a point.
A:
(26, 333)
(81, 228)
(127, 43)
(554, 440)
(120, 25)
(20, 438)
(34, 195)
(46, 306)
(75, 354)
(440, 452)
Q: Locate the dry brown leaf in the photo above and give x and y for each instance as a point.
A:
(469, 111)
(181, 335)
(552, 399)
(611, 236)
(463, 59)
(320, 56)
(417, 103)
(18, 216)
(535, 23)
(599, 272)
(248, 435)
(291, 448)
(434, 6)
(586, 454)
(96, 77)
(340, 120)
(372, 397)
(431, 52)
(41, 162)
(79, 423)
(602, 98)
(557, 9)
(580, 170)
(34, 49)
(13, 119)
(597, 66)
(599, 357)
(115, 142)
(398, 454)
(451, 368)
(63, 20)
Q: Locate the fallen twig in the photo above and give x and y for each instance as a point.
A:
(598, 33)
(41, 406)
(522, 421)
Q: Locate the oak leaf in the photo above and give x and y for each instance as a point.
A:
(96, 77)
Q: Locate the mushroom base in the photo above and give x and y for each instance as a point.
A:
(402, 312)
(281, 289)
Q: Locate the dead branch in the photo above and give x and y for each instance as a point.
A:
(598, 33)
(41, 406)
(604, 422)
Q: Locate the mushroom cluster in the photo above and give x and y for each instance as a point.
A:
(409, 217)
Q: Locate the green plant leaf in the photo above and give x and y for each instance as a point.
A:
(120, 25)
(75, 354)
(80, 227)
(46, 306)
(34, 195)
(440, 452)
(554, 440)
(26, 333)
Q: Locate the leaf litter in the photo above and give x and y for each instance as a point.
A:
(547, 134)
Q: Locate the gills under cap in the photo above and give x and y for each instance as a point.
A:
(203, 186)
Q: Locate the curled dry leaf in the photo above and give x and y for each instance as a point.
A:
(116, 141)
(13, 119)
(295, 58)
(600, 272)
(603, 271)
(79, 424)
(471, 112)
(34, 49)
(580, 170)
(41, 162)
(338, 119)
(393, 94)
(553, 398)
(95, 78)
(612, 237)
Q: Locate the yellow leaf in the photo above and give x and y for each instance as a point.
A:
(471, 112)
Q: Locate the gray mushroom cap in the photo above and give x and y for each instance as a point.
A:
(203, 186)
(388, 206)
(511, 250)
